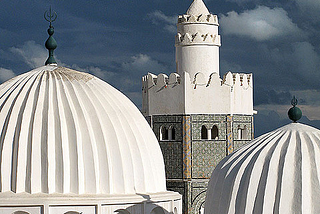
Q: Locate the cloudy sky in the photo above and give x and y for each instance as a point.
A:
(121, 40)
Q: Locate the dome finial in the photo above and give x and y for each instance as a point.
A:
(294, 112)
(51, 43)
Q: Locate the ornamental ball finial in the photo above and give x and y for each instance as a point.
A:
(51, 43)
(294, 112)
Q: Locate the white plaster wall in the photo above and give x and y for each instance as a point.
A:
(99, 204)
(197, 58)
(203, 95)
(162, 98)
(201, 28)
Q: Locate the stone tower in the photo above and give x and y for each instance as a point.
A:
(198, 117)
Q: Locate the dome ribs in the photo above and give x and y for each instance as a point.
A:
(315, 163)
(38, 162)
(281, 175)
(309, 199)
(19, 154)
(123, 158)
(82, 136)
(99, 148)
(68, 132)
(69, 139)
(133, 135)
(6, 138)
(55, 153)
(89, 154)
(244, 177)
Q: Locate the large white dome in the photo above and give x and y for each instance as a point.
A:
(278, 172)
(65, 132)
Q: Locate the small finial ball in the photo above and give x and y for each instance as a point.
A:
(51, 31)
(294, 112)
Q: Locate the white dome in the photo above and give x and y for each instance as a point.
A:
(278, 172)
(65, 131)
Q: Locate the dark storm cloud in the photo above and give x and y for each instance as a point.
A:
(262, 96)
(121, 40)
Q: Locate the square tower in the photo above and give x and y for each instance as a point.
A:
(198, 117)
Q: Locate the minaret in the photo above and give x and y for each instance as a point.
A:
(197, 116)
(197, 41)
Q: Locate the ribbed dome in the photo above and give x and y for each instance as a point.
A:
(278, 172)
(65, 131)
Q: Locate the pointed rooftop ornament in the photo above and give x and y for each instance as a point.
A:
(51, 43)
(294, 112)
(197, 8)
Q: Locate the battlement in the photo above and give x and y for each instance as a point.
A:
(199, 80)
(237, 79)
(197, 38)
(161, 81)
(201, 93)
(202, 18)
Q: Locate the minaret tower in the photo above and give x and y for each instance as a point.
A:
(197, 41)
(198, 117)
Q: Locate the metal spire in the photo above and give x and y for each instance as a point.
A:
(294, 112)
(51, 43)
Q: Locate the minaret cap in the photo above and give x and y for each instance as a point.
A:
(197, 8)
(51, 43)
(294, 112)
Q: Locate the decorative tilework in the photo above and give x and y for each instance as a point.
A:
(242, 125)
(186, 147)
(198, 202)
(207, 117)
(172, 154)
(230, 134)
(176, 126)
(167, 118)
(205, 156)
(242, 118)
(196, 129)
(240, 143)
(189, 160)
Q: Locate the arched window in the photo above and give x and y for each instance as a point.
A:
(72, 212)
(171, 133)
(242, 133)
(245, 133)
(214, 133)
(204, 132)
(163, 133)
(20, 212)
(157, 210)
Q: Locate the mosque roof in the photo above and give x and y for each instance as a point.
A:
(197, 8)
(64, 131)
(275, 173)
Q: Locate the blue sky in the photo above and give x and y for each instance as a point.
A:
(121, 40)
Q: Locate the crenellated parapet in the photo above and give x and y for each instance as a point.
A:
(197, 38)
(237, 79)
(202, 18)
(160, 82)
(180, 94)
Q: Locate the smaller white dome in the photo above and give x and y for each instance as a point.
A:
(278, 172)
(197, 8)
